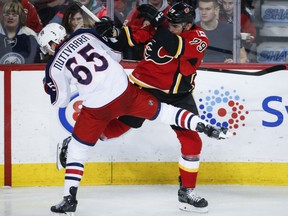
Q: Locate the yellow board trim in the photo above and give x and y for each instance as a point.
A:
(115, 173)
(1, 174)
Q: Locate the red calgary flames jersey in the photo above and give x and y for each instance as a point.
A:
(171, 74)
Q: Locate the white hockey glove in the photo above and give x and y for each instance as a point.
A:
(213, 132)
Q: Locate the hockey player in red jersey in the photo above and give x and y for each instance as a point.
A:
(91, 62)
(168, 71)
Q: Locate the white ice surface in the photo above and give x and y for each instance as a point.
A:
(147, 200)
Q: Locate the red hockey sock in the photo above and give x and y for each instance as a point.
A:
(188, 178)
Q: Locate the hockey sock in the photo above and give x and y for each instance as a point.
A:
(76, 157)
(73, 176)
(188, 168)
(179, 117)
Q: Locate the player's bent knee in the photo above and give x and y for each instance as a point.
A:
(78, 151)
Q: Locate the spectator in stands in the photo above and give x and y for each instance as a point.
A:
(121, 10)
(226, 11)
(220, 3)
(247, 25)
(220, 34)
(33, 20)
(161, 5)
(96, 7)
(136, 53)
(75, 18)
(47, 9)
(250, 8)
(18, 43)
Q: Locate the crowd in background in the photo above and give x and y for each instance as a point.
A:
(22, 20)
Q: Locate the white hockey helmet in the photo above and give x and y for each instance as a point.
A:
(51, 32)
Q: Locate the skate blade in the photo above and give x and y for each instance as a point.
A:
(189, 208)
(64, 214)
(58, 163)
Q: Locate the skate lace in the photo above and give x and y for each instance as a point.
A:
(65, 201)
(193, 196)
(61, 204)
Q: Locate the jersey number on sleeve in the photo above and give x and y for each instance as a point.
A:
(202, 45)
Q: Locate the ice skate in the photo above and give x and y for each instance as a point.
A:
(62, 153)
(68, 204)
(214, 132)
(191, 202)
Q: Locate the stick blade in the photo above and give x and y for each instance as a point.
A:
(268, 70)
(275, 68)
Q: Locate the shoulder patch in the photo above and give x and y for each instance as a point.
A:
(201, 33)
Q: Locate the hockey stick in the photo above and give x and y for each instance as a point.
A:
(256, 73)
(88, 12)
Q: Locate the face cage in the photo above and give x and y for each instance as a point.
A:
(46, 49)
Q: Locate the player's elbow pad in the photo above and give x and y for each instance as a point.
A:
(46, 88)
